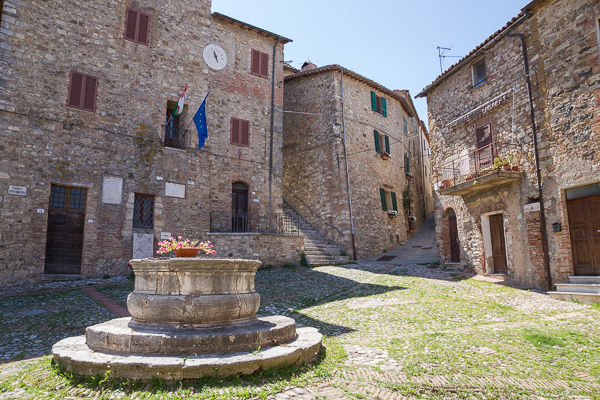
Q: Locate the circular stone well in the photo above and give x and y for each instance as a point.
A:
(190, 317)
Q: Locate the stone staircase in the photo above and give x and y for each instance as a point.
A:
(318, 250)
(585, 289)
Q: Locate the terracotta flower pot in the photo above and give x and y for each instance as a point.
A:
(515, 167)
(446, 183)
(187, 252)
(507, 167)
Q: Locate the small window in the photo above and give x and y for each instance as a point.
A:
(82, 91)
(143, 211)
(378, 104)
(259, 64)
(240, 132)
(137, 27)
(174, 136)
(388, 200)
(382, 143)
(479, 73)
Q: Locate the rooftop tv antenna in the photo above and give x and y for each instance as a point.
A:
(441, 55)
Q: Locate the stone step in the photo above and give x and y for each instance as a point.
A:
(585, 298)
(585, 279)
(578, 287)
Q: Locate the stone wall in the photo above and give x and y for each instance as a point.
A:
(314, 164)
(273, 250)
(562, 51)
(44, 142)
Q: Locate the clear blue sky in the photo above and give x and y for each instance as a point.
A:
(393, 42)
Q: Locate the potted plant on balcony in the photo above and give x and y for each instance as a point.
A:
(392, 213)
(184, 247)
(409, 175)
(385, 155)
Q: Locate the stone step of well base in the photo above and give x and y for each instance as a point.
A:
(585, 298)
(578, 288)
(585, 279)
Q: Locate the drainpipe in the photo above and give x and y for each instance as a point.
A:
(272, 129)
(537, 163)
(347, 173)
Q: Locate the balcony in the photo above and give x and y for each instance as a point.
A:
(276, 224)
(476, 172)
(176, 137)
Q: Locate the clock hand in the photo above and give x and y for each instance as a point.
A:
(215, 54)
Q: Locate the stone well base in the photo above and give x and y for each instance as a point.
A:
(74, 354)
(122, 336)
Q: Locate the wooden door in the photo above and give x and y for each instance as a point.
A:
(584, 226)
(239, 207)
(485, 148)
(64, 241)
(498, 243)
(454, 244)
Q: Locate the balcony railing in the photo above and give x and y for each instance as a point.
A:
(473, 165)
(230, 222)
(176, 137)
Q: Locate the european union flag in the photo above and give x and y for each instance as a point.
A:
(200, 121)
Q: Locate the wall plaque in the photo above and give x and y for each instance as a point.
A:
(18, 190)
(174, 190)
(112, 190)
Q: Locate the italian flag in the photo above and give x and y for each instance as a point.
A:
(181, 102)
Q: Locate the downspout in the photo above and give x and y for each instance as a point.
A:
(347, 173)
(271, 138)
(537, 163)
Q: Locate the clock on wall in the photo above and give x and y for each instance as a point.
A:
(214, 56)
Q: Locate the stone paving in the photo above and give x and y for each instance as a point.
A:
(443, 336)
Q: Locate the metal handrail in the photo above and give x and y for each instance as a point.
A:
(233, 222)
(175, 137)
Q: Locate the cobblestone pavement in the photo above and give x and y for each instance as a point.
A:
(407, 329)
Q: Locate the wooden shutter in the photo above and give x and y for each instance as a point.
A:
(405, 126)
(377, 142)
(383, 202)
(75, 89)
(143, 31)
(394, 202)
(383, 107)
(373, 101)
(235, 131)
(245, 133)
(264, 65)
(131, 24)
(255, 62)
(387, 144)
(89, 97)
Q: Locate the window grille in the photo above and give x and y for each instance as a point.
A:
(143, 211)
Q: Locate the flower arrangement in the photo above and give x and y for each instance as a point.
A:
(172, 244)
(392, 213)
(412, 218)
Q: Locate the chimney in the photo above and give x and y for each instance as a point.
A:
(307, 66)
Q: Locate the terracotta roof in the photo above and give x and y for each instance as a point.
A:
(289, 66)
(358, 77)
(493, 38)
(234, 21)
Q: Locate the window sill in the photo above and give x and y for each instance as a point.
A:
(260, 76)
(477, 85)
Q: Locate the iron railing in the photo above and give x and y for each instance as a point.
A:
(230, 222)
(469, 166)
(176, 137)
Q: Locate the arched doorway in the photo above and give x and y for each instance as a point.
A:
(453, 237)
(239, 207)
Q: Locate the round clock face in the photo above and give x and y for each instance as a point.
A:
(215, 56)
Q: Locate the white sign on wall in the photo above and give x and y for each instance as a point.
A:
(143, 245)
(112, 190)
(18, 190)
(174, 190)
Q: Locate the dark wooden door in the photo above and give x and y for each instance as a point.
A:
(64, 241)
(584, 225)
(239, 207)
(454, 244)
(498, 243)
(485, 148)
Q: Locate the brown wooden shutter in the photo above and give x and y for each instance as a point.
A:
(235, 131)
(89, 97)
(255, 62)
(245, 134)
(75, 89)
(131, 24)
(143, 28)
(264, 65)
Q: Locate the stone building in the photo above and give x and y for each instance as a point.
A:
(95, 168)
(352, 151)
(498, 222)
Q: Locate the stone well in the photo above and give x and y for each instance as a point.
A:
(190, 317)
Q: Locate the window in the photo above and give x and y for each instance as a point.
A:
(382, 143)
(143, 211)
(259, 64)
(174, 137)
(240, 132)
(479, 73)
(82, 91)
(388, 200)
(378, 104)
(405, 126)
(407, 163)
(137, 27)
